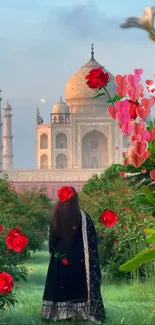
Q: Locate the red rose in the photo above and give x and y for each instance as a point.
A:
(122, 174)
(109, 218)
(132, 109)
(65, 193)
(6, 283)
(97, 78)
(65, 261)
(1, 228)
(16, 240)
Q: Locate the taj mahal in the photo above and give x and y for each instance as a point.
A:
(79, 140)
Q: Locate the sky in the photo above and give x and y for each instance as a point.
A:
(43, 42)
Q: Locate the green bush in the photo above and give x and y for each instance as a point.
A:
(28, 212)
(119, 243)
(36, 217)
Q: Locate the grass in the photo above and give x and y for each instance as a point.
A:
(125, 304)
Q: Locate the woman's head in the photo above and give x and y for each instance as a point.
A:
(66, 216)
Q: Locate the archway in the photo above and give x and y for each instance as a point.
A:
(44, 162)
(55, 120)
(61, 161)
(61, 119)
(61, 141)
(43, 141)
(94, 150)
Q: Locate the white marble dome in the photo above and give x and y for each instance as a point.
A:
(77, 89)
(60, 108)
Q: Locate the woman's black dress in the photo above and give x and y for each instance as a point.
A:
(66, 289)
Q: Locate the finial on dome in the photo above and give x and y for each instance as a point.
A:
(60, 98)
(92, 51)
(39, 118)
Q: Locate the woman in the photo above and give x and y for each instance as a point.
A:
(72, 289)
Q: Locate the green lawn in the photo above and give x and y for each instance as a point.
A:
(128, 305)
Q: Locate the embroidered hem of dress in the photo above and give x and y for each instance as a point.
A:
(67, 310)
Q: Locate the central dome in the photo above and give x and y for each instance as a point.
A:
(76, 87)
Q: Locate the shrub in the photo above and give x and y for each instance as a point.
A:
(29, 214)
(36, 217)
(119, 243)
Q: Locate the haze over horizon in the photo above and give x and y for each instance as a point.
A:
(44, 43)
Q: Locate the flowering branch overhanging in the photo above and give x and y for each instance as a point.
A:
(130, 108)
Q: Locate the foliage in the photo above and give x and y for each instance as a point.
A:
(98, 183)
(28, 212)
(120, 243)
(147, 200)
(37, 215)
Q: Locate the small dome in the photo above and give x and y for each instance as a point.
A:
(60, 108)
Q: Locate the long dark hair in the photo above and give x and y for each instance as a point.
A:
(66, 219)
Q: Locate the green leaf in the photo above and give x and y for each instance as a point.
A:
(150, 231)
(56, 255)
(23, 277)
(98, 95)
(113, 100)
(150, 235)
(149, 195)
(151, 239)
(143, 257)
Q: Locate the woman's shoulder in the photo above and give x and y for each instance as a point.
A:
(88, 217)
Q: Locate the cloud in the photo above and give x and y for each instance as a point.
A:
(88, 22)
(27, 5)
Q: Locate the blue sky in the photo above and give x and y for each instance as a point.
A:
(43, 42)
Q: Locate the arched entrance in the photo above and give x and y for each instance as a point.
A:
(94, 150)
(61, 141)
(44, 161)
(44, 141)
(61, 161)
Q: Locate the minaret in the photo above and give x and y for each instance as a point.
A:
(7, 138)
(1, 124)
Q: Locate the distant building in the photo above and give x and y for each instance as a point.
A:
(79, 140)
